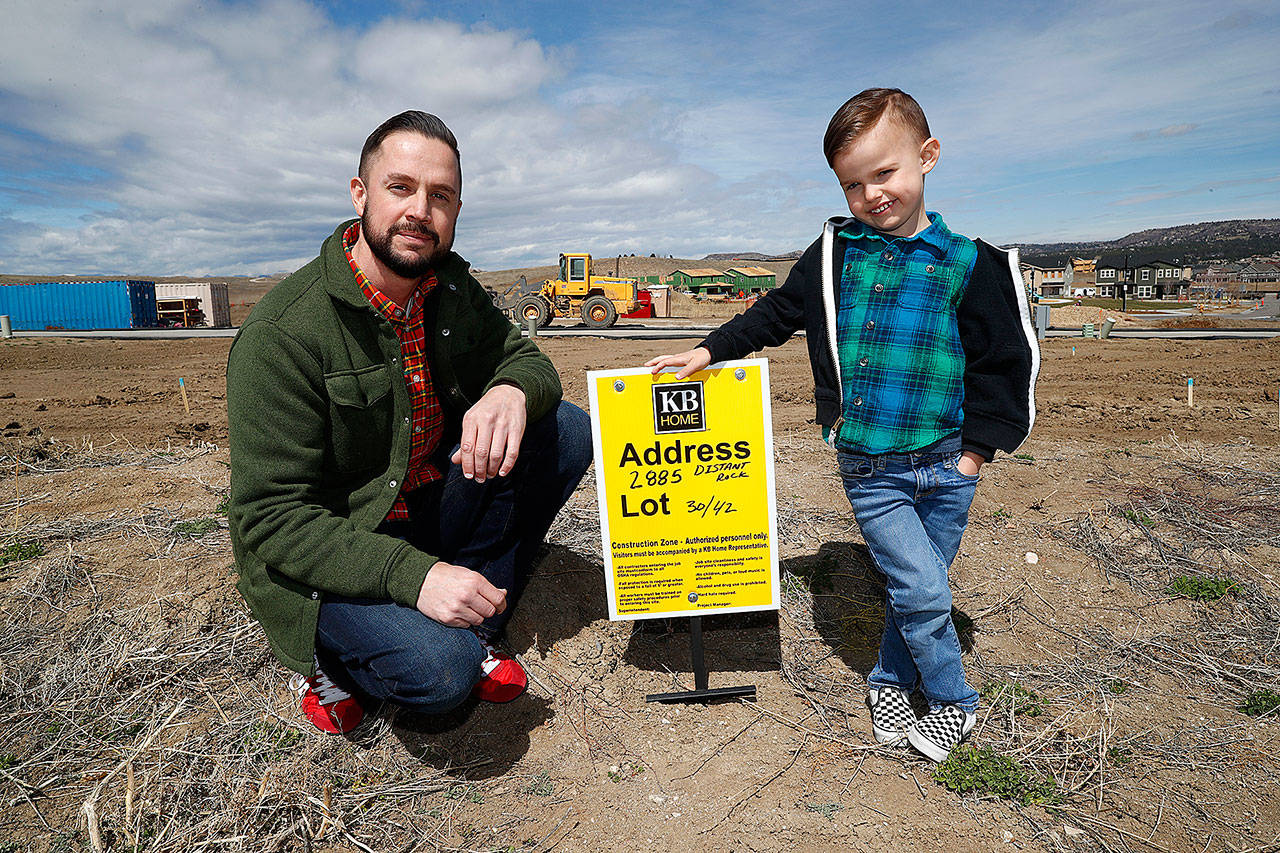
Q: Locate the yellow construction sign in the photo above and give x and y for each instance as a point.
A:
(684, 477)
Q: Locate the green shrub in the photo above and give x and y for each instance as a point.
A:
(982, 772)
(195, 529)
(1200, 589)
(1261, 702)
(20, 551)
(1024, 701)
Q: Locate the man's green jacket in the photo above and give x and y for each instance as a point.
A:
(319, 419)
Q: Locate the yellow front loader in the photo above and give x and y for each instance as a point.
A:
(597, 299)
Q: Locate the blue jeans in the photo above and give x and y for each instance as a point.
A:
(912, 509)
(396, 653)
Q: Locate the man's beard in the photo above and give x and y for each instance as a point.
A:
(405, 265)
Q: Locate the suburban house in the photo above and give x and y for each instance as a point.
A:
(1081, 276)
(1158, 280)
(1042, 281)
(1112, 273)
(1152, 280)
(1222, 274)
(1260, 272)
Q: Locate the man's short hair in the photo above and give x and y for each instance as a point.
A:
(414, 121)
(861, 112)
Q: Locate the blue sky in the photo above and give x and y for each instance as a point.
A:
(203, 136)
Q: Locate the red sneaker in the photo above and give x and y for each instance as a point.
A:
(501, 676)
(329, 708)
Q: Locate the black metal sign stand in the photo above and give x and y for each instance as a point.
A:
(701, 693)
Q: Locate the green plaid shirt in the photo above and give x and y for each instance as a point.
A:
(901, 361)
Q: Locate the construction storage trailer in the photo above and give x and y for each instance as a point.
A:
(214, 302)
(122, 304)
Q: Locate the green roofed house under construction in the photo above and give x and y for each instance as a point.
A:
(751, 279)
(701, 280)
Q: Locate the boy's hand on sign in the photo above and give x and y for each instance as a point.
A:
(970, 463)
(689, 362)
(458, 597)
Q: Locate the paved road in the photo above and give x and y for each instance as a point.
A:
(1270, 309)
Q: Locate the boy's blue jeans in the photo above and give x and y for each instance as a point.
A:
(396, 653)
(913, 508)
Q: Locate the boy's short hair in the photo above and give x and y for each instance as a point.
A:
(861, 112)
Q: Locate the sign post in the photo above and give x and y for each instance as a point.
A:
(684, 479)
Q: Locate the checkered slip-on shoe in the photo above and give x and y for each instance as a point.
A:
(940, 731)
(891, 713)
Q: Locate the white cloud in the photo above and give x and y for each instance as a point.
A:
(185, 136)
(227, 135)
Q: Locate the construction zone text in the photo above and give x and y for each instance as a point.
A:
(687, 520)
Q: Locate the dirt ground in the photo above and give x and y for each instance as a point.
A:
(132, 679)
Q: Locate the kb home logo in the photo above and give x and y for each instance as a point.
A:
(677, 407)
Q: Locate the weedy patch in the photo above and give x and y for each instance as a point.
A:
(196, 528)
(270, 740)
(1139, 518)
(827, 810)
(1260, 702)
(20, 551)
(985, 774)
(625, 770)
(469, 793)
(1027, 456)
(223, 506)
(541, 785)
(1119, 755)
(1024, 701)
(1201, 588)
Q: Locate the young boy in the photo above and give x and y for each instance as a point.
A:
(924, 364)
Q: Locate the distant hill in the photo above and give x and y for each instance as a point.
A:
(750, 256)
(1203, 242)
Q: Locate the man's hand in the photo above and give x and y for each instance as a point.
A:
(689, 362)
(458, 597)
(970, 463)
(491, 434)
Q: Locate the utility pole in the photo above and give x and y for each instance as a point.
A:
(1124, 287)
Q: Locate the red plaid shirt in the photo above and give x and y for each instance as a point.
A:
(426, 419)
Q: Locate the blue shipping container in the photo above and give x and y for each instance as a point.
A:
(79, 305)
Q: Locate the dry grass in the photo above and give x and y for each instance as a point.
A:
(142, 723)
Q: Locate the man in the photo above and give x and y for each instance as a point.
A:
(398, 451)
